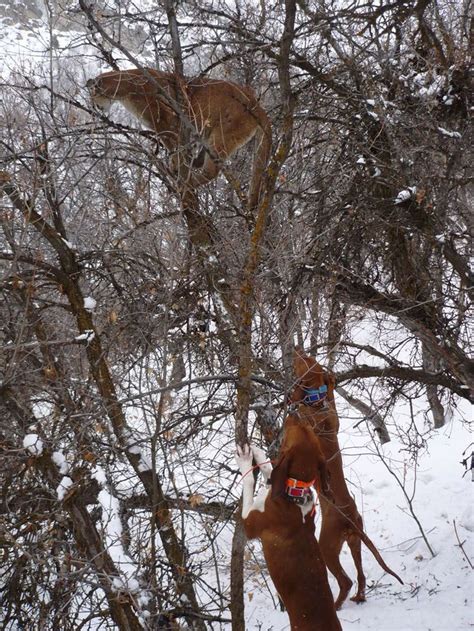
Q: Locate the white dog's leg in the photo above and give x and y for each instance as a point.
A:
(261, 459)
(244, 458)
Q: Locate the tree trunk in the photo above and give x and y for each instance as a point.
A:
(237, 605)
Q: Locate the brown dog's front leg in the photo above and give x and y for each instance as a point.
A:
(324, 479)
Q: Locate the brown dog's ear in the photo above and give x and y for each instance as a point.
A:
(280, 476)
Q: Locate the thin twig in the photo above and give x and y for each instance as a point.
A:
(408, 499)
(461, 545)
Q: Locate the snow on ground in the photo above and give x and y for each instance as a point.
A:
(438, 592)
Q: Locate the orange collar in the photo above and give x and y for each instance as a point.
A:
(299, 484)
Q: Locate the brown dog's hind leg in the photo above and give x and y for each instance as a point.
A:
(331, 549)
(355, 545)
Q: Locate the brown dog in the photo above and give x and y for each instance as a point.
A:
(341, 521)
(283, 519)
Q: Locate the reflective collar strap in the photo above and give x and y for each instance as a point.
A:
(314, 395)
(299, 490)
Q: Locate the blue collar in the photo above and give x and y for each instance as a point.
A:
(314, 395)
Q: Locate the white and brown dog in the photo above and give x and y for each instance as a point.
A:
(283, 518)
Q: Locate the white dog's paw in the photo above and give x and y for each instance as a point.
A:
(259, 455)
(243, 458)
(262, 460)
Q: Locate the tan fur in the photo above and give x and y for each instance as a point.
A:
(226, 116)
(341, 521)
(290, 548)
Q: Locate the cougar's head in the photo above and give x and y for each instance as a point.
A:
(99, 100)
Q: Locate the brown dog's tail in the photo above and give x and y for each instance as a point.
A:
(369, 543)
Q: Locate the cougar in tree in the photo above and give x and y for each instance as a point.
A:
(225, 115)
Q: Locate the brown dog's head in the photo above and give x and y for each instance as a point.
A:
(309, 375)
(300, 458)
(307, 370)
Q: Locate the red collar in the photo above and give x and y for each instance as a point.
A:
(298, 490)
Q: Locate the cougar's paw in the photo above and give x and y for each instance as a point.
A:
(243, 458)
